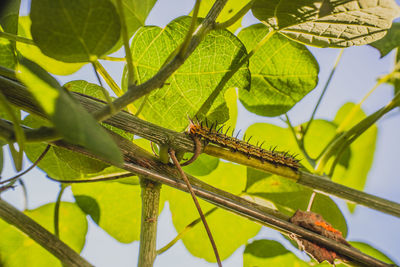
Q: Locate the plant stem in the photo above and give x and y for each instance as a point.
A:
(188, 37)
(236, 17)
(57, 211)
(339, 56)
(125, 38)
(16, 38)
(119, 59)
(43, 237)
(148, 227)
(103, 90)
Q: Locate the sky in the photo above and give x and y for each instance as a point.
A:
(356, 74)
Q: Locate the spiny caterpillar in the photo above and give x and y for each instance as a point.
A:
(215, 135)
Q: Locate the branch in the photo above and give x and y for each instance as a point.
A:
(43, 237)
(142, 163)
(182, 142)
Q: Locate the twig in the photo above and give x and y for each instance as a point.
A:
(57, 211)
(30, 168)
(196, 202)
(236, 17)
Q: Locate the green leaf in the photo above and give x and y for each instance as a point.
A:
(282, 72)
(371, 251)
(224, 225)
(33, 53)
(17, 249)
(230, 9)
(74, 30)
(70, 119)
(362, 151)
(115, 207)
(86, 88)
(7, 53)
(269, 253)
(333, 23)
(390, 41)
(203, 165)
(135, 13)
(188, 88)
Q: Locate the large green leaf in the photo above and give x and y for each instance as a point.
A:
(7, 53)
(33, 53)
(282, 72)
(334, 23)
(230, 9)
(115, 207)
(223, 224)
(269, 253)
(74, 30)
(390, 41)
(135, 13)
(70, 119)
(188, 88)
(362, 150)
(16, 249)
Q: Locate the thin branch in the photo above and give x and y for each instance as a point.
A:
(339, 56)
(125, 38)
(43, 237)
(16, 38)
(196, 202)
(188, 37)
(57, 211)
(103, 90)
(12, 179)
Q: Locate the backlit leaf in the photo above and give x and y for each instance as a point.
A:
(282, 72)
(328, 23)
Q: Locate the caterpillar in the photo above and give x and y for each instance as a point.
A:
(215, 135)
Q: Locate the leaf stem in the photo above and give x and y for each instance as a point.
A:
(148, 227)
(57, 211)
(299, 142)
(188, 37)
(236, 17)
(103, 90)
(119, 59)
(125, 39)
(328, 81)
(16, 38)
